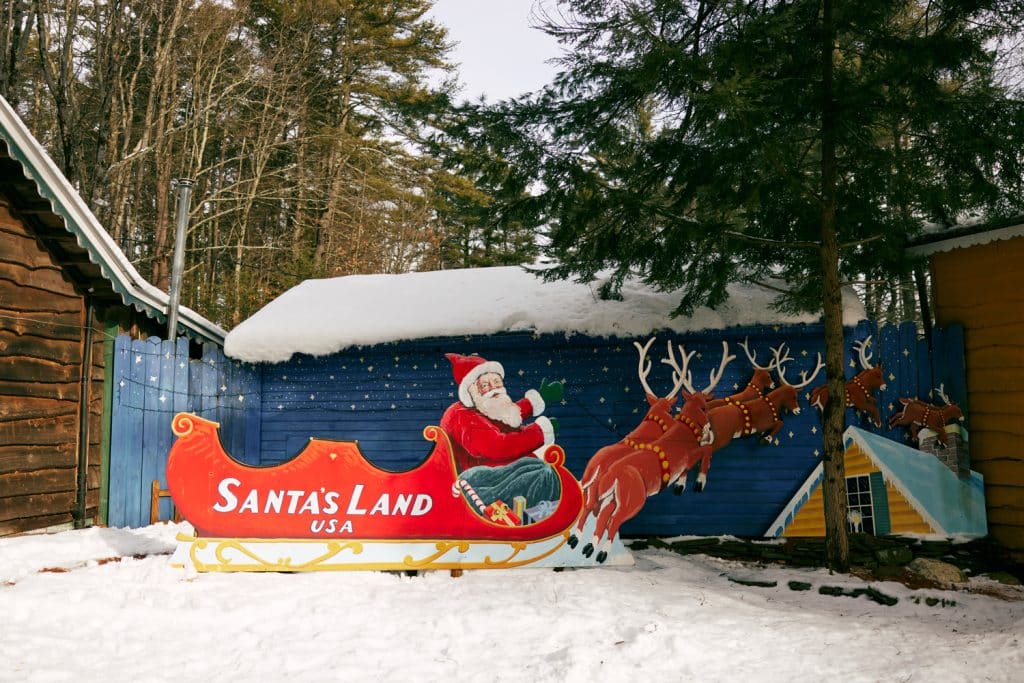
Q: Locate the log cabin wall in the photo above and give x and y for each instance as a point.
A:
(42, 320)
(64, 284)
(982, 287)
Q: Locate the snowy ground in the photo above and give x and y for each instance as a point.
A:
(669, 618)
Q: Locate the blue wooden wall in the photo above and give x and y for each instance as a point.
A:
(383, 396)
(913, 371)
(152, 381)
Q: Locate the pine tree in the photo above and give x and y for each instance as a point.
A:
(796, 143)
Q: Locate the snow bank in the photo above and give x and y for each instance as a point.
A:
(319, 317)
(668, 618)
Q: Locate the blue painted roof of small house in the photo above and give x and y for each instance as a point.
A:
(955, 505)
(948, 503)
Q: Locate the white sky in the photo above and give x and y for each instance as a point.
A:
(498, 53)
(669, 618)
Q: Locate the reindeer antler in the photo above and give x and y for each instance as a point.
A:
(726, 358)
(752, 356)
(861, 347)
(779, 362)
(781, 357)
(644, 364)
(682, 376)
(942, 394)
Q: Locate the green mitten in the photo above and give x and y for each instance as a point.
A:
(551, 393)
(554, 424)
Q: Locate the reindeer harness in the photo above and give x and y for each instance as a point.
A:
(747, 429)
(860, 385)
(771, 407)
(658, 420)
(927, 412)
(694, 427)
(658, 450)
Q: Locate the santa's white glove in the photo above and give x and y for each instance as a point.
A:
(548, 430)
(537, 404)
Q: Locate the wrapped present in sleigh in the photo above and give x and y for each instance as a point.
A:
(330, 508)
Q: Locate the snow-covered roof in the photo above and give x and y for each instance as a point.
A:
(319, 317)
(936, 239)
(928, 486)
(66, 203)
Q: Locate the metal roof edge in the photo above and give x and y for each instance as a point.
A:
(53, 186)
(958, 237)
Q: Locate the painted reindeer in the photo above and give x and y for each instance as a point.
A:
(654, 424)
(617, 485)
(918, 414)
(703, 453)
(759, 382)
(859, 389)
(761, 415)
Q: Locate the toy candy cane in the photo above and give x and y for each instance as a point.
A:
(471, 493)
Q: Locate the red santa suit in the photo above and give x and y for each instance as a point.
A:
(479, 440)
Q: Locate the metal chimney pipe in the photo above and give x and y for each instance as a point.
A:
(184, 188)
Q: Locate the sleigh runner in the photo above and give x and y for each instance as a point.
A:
(329, 508)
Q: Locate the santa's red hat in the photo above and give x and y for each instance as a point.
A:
(467, 370)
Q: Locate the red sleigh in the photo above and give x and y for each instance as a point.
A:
(330, 491)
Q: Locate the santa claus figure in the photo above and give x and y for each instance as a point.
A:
(493, 446)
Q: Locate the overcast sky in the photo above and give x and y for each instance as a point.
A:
(499, 55)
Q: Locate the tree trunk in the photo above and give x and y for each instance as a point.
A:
(16, 19)
(922, 296)
(837, 545)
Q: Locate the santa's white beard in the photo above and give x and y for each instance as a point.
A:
(496, 405)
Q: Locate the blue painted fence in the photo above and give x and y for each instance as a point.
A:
(383, 396)
(153, 380)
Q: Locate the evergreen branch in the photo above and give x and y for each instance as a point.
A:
(800, 244)
(772, 288)
(865, 282)
(857, 243)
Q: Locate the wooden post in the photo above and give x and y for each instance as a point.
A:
(154, 502)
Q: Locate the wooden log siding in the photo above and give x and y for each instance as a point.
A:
(982, 287)
(41, 337)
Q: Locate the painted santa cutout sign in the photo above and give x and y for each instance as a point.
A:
(493, 493)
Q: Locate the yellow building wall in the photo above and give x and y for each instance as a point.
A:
(809, 521)
(982, 288)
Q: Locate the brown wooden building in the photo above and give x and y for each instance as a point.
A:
(66, 291)
(978, 281)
